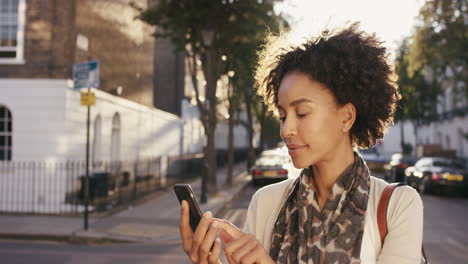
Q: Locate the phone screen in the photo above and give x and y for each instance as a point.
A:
(184, 192)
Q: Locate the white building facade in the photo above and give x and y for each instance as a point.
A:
(449, 131)
(48, 123)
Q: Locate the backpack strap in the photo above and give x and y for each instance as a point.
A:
(383, 207)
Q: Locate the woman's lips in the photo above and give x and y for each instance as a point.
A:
(295, 150)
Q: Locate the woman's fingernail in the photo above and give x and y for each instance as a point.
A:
(214, 224)
(208, 214)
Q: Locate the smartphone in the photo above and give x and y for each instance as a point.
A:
(185, 192)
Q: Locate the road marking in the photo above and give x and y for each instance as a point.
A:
(456, 244)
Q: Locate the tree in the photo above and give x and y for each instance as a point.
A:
(419, 96)
(439, 45)
(242, 58)
(207, 30)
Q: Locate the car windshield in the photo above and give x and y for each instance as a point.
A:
(409, 161)
(449, 164)
(368, 151)
(270, 160)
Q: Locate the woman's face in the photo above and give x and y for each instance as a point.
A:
(312, 124)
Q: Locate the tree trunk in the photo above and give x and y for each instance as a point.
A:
(251, 151)
(402, 137)
(211, 77)
(262, 126)
(229, 179)
(210, 159)
(415, 128)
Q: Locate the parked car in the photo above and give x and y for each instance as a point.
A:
(273, 165)
(437, 174)
(373, 159)
(394, 170)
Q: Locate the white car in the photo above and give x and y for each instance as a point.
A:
(273, 165)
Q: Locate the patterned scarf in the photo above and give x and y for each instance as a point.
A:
(304, 234)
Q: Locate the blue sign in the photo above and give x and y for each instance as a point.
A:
(86, 74)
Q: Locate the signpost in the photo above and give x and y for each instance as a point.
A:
(86, 75)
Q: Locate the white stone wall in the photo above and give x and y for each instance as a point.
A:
(194, 133)
(391, 142)
(37, 108)
(144, 132)
(194, 139)
(50, 124)
(448, 133)
(241, 136)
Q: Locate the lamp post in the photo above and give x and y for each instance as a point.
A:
(207, 37)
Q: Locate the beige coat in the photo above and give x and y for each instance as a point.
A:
(404, 220)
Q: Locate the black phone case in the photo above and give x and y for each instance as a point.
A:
(184, 192)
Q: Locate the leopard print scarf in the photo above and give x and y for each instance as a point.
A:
(304, 234)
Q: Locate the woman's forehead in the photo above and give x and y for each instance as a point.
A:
(297, 88)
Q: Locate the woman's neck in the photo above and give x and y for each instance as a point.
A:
(326, 172)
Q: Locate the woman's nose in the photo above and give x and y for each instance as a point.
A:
(288, 128)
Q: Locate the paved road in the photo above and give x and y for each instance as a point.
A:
(446, 229)
(21, 252)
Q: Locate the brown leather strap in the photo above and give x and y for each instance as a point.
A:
(383, 207)
(382, 215)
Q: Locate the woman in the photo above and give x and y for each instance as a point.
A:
(332, 94)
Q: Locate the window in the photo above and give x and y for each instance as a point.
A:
(12, 13)
(5, 133)
(115, 138)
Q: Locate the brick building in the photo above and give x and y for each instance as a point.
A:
(40, 115)
(42, 43)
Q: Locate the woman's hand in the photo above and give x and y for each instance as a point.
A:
(198, 245)
(240, 247)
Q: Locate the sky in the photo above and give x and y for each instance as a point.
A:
(391, 20)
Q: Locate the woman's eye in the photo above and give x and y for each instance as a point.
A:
(300, 115)
(282, 119)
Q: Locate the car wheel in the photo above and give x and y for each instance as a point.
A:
(256, 183)
(413, 184)
(424, 185)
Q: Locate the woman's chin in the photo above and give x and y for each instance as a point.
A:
(300, 164)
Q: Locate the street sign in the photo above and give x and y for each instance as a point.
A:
(86, 75)
(88, 98)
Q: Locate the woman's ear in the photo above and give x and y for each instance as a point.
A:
(348, 116)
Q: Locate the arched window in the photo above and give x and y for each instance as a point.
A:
(115, 138)
(6, 124)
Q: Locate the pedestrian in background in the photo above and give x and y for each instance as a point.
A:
(333, 94)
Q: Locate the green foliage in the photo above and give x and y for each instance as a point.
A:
(407, 148)
(433, 59)
(439, 44)
(419, 96)
(234, 22)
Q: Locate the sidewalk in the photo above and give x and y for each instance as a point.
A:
(155, 220)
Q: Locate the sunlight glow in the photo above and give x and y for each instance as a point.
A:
(390, 20)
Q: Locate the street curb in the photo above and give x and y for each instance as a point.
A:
(69, 239)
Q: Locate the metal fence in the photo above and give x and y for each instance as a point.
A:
(58, 187)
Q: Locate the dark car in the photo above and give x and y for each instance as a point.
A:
(394, 170)
(437, 174)
(374, 160)
(272, 166)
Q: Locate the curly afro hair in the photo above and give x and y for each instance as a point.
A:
(351, 63)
